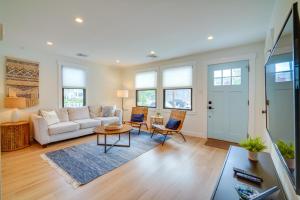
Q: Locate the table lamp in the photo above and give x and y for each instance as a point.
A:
(122, 94)
(16, 103)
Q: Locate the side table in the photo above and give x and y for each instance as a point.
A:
(14, 135)
(156, 120)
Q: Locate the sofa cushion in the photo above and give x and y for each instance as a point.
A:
(88, 123)
(50, 116)
(108, 111)
(62, 114)
(63, 127)
(78, 113)
(108, 120)
(95, 111)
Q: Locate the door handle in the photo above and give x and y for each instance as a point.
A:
(210, 108)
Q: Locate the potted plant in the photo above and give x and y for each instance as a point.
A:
(254, 146)
(288, 152)
(158, 114)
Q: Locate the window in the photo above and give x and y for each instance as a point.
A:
(146, 98)
(145, 84)
(73, 87)
(283, 72)
(227, 77)
(73, 97)
(178, 98)
(177, 84)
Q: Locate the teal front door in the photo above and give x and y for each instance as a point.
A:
(227, 102)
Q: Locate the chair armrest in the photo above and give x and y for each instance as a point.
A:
(118, 113)
(40, 128)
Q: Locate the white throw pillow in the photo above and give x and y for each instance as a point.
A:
(95, 111)
(108, 111)
(50, 117)
(79, 113)
(62, 114)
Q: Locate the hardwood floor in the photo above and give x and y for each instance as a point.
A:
(176, 170)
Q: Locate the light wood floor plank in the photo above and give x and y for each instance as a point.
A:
(176, 170)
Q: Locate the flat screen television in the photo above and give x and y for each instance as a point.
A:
(282, 86)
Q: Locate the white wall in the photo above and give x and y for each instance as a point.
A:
(280, 12)
(195, 121)
(101, 85)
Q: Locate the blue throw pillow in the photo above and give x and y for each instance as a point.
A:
(137, 117)
(173, 124)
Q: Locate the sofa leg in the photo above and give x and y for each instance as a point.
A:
(44, 145)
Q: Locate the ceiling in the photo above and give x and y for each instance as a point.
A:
(128, 30)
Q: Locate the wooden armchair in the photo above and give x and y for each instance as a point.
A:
(161, 129)
(139, 110)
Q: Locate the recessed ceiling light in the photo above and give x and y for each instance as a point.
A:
(118, 61)
(210, 37)
(78, 20)
(152, 54)
(49, 43)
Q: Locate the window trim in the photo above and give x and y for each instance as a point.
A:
(84, 95)
(60, 64)
(179, 88)
(136, 97)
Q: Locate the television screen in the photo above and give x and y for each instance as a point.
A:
(280, 97)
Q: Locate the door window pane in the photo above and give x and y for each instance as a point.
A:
(217, 81)
(178, 98)
(228, 77)
(146, 98)
(226, 72)
(227, 81)
(236, 72)
(236, 80)
(217, 74)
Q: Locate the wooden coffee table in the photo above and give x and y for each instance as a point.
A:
(100, 130)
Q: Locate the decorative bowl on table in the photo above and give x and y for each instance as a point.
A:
(246, 192)
(113, 127)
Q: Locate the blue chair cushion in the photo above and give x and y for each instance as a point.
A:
(173, 124)
(137, 117)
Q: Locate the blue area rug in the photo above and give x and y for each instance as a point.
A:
(83, 163)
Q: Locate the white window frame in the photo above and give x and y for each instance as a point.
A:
(153, 88)
(60, 82)
(194, 86)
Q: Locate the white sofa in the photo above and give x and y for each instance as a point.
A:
(73, 122)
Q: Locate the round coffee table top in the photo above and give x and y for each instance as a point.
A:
(101, 130)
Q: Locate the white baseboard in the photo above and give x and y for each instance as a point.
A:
(194, 134)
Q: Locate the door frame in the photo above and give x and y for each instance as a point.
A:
(251, 89)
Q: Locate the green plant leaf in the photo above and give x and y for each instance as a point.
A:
(286, 150)
(253, 144)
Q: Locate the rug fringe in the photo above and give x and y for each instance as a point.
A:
(68, 178)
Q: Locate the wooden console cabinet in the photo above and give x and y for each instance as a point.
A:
(14, 135)
(264, 168)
